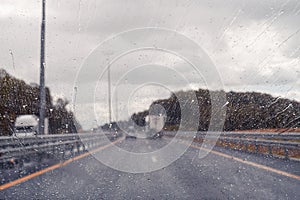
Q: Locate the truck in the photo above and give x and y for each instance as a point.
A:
(27, 125)
(156, 124)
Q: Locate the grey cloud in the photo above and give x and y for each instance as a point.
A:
(74, 29)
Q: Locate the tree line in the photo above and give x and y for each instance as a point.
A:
(18, 98)
(244, 111)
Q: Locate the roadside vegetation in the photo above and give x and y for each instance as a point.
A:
(18, 98)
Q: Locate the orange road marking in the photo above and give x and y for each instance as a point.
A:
(64, 163)
(249, 163)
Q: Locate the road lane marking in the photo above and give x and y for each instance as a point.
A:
(58, 165)
(249, 163)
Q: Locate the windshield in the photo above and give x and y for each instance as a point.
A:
(24, 128)
(156, 99)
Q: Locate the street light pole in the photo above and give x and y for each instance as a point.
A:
(109, 94)
(117, 105)
(109, 53)
(42, 74)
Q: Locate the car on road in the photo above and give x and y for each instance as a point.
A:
(130, 136)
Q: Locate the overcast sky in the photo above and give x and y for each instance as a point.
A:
(254, 45)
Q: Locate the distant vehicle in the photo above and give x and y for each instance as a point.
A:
(156, 124)
(131, 129)
(27, 125)
(130, 134)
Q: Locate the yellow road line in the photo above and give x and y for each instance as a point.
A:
(249, 163)
(64, 163)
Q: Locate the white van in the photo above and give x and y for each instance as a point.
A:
(26, 125)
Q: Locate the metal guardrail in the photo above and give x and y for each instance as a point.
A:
(15, 150)
(274, 144)
(269, 136)
(284, 149)
(250, 135)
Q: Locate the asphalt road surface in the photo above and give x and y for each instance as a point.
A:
(226, 175)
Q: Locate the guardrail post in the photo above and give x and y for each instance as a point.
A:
(256, 148)
(286, 151)
(270, 149)
(72, 150)
(246, 146)
(225, 142)
(78, 148)
(53, 151)
(63, 150)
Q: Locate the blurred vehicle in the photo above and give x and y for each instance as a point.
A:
(27, 125)
(131, 133)
(130, 136)
(156, 124)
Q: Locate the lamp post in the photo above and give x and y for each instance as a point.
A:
(109, 94)
(117, 105)
(42, 74)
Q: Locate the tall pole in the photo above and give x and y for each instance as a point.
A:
(42, 74)
(109, 95)
(117, 105)
(74, 100)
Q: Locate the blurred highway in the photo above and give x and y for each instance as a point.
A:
(223, 174)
